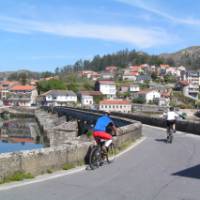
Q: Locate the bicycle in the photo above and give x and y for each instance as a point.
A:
(170, 132)
(98, 155)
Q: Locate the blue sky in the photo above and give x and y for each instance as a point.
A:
(41, 35)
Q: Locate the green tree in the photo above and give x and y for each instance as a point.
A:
(140, 100)
(53, 84)
(23, 78)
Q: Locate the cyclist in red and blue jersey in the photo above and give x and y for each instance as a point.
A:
(104, 128)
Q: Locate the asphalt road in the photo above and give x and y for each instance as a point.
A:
(151, 170)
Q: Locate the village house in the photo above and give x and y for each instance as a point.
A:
(149, 95)
(90, 74)
(172, 71)
(191, 90)
(134, 88)
(22, 95)
(111, 69)
(164, 99)
(60, 97)
(124, 88)
(135, 68)
(106, 87)
(87, 98)
(130, 76)
(5, 88)
(180, 70)
(107, 76)
(192, 77)
(143, 78)
(131, 88)
(115, 105)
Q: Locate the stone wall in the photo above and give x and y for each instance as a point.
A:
(69, 150)
(148, 108)
(181, 125)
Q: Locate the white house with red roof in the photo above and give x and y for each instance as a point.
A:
(149, 95)
(87, 97)
(111, 69)
(134, 88)
(130, 75)
(107, 76)
(106, 87)
(90, 74)
(115, 105)
(60, 97)
(22, 95)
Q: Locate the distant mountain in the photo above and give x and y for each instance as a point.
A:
(189, 57)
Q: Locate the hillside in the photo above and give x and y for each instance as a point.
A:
(189, 57)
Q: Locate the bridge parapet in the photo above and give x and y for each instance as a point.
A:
(73, 151)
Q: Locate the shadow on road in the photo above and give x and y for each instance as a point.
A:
(192, 172)
(161, 140)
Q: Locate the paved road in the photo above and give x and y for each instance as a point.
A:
(152, 170)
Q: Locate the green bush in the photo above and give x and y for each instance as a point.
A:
(68, 166)
(17, 176)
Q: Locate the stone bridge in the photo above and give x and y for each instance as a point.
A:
(60, 126)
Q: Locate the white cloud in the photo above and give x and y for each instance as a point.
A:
(151, 8)
(139, 36)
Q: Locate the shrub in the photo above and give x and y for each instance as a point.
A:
(17, 176)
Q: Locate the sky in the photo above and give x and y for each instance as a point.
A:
(40, 35)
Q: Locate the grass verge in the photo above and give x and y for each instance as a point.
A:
(17, 176)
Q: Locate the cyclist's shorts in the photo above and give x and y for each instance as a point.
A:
(170, 122)
(102, 135)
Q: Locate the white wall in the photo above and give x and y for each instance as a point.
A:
(125, 108)
(109, 90)
(150, 96)
(87, 100)
(134, 88)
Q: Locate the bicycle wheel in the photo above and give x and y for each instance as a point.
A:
(171, 136)
(95, 157)
(111, 153)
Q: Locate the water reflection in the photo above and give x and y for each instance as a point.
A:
(20, 134)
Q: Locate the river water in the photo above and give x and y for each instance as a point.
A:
(18, 134)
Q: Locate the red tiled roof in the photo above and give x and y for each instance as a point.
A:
(131, 73)
(91, 93)
(184, 83)
(9, 83)
(135, 68)
(164, 65)
(166, 94)
(23, 87)
(114, 101)
(111, 68)
(145, 91)
(107, 82)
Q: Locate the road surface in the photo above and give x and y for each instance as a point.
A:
(152, 170)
